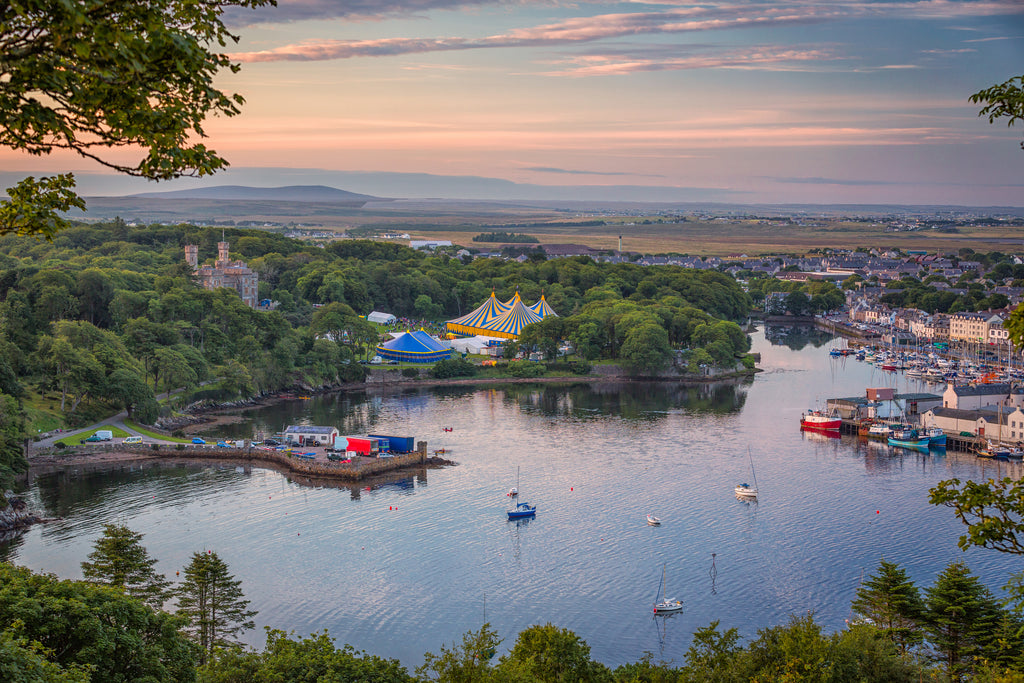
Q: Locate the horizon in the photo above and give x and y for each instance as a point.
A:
(801, 102)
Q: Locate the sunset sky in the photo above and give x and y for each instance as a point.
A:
(803, 101)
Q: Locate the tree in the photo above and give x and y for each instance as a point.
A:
(962, 619)
(83, 626)
(12, 430)
(93, 77)
(892, 603)
(547, 654)
(1005, 100)
(212, 601)
(119, 559)
(314, 658)
(467, 663)
(993, 512)
(646, 349)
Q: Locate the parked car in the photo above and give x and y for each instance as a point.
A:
(271, 442)
(94, 439)
(198, 440)
(221, 444)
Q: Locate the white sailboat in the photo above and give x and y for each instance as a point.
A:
(663, 605)
(745, 490)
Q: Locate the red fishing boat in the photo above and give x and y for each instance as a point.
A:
(819, 422)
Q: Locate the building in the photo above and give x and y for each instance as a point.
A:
(226, 273)
(309, 435)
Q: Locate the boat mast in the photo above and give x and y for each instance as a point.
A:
(752, 473)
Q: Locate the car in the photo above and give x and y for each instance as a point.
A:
(221, 444)
(198, 440)
(94, 439)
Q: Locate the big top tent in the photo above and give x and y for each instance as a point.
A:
(471, 323)
(414, 347)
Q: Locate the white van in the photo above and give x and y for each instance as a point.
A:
(132, 439)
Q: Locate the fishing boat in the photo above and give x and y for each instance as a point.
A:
(817, 420)
(663, 605)
(745, 490)
(653, 521)
(907, 438)
(878, 430)
(521, 510)
(936, 437)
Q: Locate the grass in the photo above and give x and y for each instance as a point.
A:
(154, 435)
(75, 438)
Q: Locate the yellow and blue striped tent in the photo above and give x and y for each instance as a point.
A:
(492, 309)
(414, 347)
(512, 322)
(542, 309)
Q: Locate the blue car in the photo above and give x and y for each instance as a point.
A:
(221, 444)
(198, 440)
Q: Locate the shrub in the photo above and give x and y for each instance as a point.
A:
(60, 445)
(410, 372)
(443, 369)
(179, 446)
(525, 368)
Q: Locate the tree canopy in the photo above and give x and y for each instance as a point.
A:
(100, 76)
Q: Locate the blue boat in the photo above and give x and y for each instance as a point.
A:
(522, 510)
(936, 437)
(908, 438)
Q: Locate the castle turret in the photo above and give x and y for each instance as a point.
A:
(192, 255)
(222, 252)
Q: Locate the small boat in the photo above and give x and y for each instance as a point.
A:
(936, 437)
(817, 420)
(446, 429)
(521, 510)
(878, 430)
(512, 492)
(653, 521)
(907, 438)
(745, 490)
(663, 605)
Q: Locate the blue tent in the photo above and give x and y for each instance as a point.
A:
(414, 347)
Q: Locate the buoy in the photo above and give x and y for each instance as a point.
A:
(570, 488)
(878, 512)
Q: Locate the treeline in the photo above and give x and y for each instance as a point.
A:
(107, 316)
(510, 237)
(113, 627)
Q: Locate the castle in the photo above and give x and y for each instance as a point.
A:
(225, 273)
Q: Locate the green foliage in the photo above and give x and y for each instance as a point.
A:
(79, 626)
(524, 369)
(466, 663)
(993, 512)
(314, 658)
(120, 560)
(454, 367)
(890, 600)
(1005, 100)
(212, 602)
(509, 237)
(94, 77)
(410, 372)
(25, 662)
(962, 620)
(548, 654)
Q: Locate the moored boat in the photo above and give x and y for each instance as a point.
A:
(817, 420)
(936, 437)
(653, 521)
(908, 438)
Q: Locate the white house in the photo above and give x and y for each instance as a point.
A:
(309, 435)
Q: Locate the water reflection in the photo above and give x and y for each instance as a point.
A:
(797, 336)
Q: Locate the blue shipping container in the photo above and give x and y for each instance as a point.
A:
(398, 444)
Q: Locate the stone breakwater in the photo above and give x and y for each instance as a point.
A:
(16, 514)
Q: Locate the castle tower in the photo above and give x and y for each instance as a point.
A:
(192, 255)
(222, 252)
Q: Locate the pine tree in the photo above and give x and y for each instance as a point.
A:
(212, 601)
(892, 602)
(962, 619)
(119, 559)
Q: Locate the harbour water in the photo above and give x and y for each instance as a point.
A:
(399, 567)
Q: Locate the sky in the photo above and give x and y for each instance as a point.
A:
(806, 101)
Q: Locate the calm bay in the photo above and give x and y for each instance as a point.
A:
(399, 567)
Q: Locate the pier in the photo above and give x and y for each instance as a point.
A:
(957, 442)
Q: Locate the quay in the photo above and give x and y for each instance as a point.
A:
(958, 442)
(319, 466)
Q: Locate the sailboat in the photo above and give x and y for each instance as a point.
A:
(521, 510)
(745, 490)
(663, 605)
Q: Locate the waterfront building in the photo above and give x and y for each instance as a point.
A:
(976, 396)
(310, 435)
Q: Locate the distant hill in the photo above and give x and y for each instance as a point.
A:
(292, 193)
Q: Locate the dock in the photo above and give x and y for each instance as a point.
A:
(957, 442)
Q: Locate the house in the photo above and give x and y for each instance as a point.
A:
(309, 435)
(976, 396)
(992, 424)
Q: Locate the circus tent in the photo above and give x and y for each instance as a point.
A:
(513, 321)
(542, 309)
(471, 323)
(414, 347)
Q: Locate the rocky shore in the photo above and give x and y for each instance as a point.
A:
(16, 514)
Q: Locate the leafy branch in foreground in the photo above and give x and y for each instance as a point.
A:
(993, 512)
(1003, 100)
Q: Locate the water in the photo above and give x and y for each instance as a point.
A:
(399, 567)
